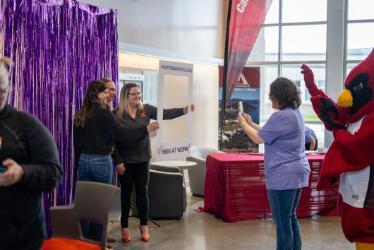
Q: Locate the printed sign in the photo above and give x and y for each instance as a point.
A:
(177, 78)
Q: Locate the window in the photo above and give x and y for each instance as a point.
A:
(293, 33)
(359, 31)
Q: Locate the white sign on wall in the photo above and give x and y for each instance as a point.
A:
(174, 139)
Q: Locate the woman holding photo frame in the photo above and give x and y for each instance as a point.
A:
(132, 159)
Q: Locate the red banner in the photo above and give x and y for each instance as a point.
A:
(244, 23)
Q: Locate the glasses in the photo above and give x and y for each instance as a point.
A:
(136, 94)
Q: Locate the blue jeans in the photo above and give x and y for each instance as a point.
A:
(97, 168)
(283, 205)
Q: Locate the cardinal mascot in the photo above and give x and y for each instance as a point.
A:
(350, 158)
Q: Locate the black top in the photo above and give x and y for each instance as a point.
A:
(28, 142)
(99, 132)
(140, 151)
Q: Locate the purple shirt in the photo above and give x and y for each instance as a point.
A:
(309, 135)
(286, 166)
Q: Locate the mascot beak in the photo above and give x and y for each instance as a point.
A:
(345, 99)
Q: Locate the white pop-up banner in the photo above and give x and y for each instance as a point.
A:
(173, 138)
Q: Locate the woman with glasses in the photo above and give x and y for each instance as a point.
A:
(132, 161)
(286, 166)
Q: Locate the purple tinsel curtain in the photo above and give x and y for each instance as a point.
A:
(58, 47)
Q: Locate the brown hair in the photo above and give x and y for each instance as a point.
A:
(105, 80)
(90, 102)
(285, 93)
(123, 104)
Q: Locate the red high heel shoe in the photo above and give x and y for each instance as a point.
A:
(146, 237)
(126, 239)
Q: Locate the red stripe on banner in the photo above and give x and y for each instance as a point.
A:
(250, 76)
(246, 18)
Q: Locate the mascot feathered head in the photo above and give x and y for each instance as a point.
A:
(359, 89)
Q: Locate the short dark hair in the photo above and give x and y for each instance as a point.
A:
(285, 93)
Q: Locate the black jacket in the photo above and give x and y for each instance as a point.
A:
(99, 132)
(25, 140)
(140, 151)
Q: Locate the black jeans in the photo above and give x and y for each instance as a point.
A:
(138, 174)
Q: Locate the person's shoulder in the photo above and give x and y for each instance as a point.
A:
(148, 106)
(287, 114)
(283, 113)
(27, 117)
(290, 112)
(15, 117)
(31, 122)
(101, 111)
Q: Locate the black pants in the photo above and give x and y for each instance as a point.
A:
(138, 174)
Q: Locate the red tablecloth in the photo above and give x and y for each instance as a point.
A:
(235, 188)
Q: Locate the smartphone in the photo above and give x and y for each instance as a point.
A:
(240, 107)
(3, 169)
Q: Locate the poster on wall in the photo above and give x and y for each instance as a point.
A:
(245, 98)
(173, 139)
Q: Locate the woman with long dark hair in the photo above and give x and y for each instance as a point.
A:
(133, 159)
(286, 166)
(95, 129)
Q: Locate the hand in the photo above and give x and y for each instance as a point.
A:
(327, 112)
(309, 80)
(153, 126)
(120, 169)
(247, 118)
(241, 120)
(185, 109)
(12, 175)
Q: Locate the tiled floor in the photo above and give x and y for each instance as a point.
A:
(197, 230)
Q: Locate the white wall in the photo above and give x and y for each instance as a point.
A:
(205, 97)
(194, 27)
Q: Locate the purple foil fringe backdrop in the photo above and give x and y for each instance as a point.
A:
(58, 47)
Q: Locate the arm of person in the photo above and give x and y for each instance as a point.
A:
(168, 114)
(249, 130)
(252, 133)
(251, 123)
(42, 171)
(312, 144)
(255, 126)
(115, 154)
(119, 131)
(274, 128)
(120, 166)
(77, 146)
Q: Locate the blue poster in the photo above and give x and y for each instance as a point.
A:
(246, 94)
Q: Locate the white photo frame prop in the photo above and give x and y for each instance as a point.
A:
(175, 75)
